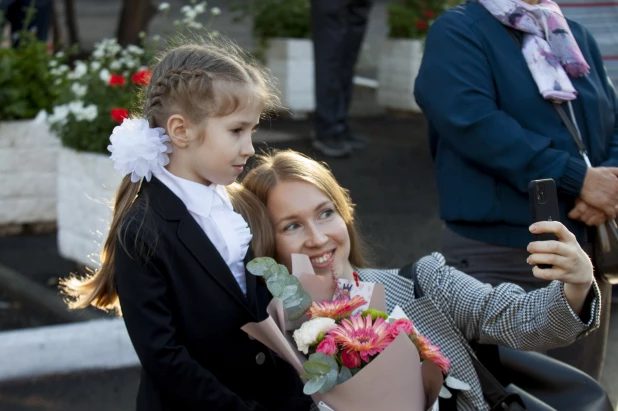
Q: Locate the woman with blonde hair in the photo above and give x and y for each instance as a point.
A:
(310, 213)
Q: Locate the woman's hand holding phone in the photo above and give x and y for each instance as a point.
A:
(569, 262)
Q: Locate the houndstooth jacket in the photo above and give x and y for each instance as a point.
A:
(457, 308)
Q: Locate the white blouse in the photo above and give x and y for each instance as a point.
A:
(212, 209)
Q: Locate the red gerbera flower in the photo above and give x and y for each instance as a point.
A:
(119, 114)
(142, 77)
(116, 80)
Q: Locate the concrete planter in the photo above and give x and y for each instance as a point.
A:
(291, 63)
(87, 184)
(400, 60)
(28, 152)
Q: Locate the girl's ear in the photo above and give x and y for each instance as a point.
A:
(177, 130)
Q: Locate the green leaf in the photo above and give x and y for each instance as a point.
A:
(321, 357)
(292, 302)
(316, 367)
(294, 313)
(331, 381)
(344, 375)
(276, 284)
(314, 385)
(309, 376)
(261, 265)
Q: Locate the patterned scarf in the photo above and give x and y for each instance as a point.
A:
(548, 44)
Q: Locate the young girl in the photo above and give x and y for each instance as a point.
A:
(174, 261)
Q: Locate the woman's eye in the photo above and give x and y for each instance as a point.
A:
(290, 227)
(237, 130)
(327, 213)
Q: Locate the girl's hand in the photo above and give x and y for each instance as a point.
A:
(571, 264)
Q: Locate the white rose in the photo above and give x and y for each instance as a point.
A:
(308, 333)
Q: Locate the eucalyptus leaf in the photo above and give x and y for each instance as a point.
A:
(321, 357)
(260, 266)
(331, 381)
(314, 385)
(288, 291)
(294, 313)
(276, 284)
(308, 376)
(344, 375)
(291, 302)
(316, 367)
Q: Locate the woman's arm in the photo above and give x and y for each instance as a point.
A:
(145, 307)
(549, 317)
(455, 88)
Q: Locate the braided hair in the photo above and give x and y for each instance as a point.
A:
(201, 79)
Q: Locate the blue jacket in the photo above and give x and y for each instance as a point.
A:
(491, 132)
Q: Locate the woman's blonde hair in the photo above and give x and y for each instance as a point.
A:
(203, 79)
(278, 166)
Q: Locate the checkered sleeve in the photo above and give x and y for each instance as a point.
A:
(506, 315)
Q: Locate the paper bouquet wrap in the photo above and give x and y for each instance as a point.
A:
(395, 379)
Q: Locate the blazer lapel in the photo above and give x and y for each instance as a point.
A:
(204, 251)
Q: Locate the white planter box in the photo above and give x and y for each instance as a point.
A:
(400, 61)
(291, 63)
(28, 152)
(87, 184)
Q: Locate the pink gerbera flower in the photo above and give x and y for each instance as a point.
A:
(336, 309)
(360, 335)
(430, 352)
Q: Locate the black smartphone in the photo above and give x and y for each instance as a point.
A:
(543, 196)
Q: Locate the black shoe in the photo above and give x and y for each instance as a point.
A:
(332, 146)
(356, 142)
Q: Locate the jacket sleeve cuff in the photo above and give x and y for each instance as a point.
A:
(572, 180)
(590, 316)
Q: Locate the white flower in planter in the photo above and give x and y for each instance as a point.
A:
(78, 72)
(200, 8)
(79, 90)
(215, 11)
(104, 75)
(95, 65)
(164, 6)
(59, 116)
(115, 65)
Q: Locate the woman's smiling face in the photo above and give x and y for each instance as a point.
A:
(307, 222)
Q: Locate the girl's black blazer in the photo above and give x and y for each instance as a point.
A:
(183, 310)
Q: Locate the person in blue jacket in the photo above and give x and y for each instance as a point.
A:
(490, 74)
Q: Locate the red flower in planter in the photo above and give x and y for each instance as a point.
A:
(429, 14)
(119, 114)
(142, 77)
(116, 80)
(422, 25)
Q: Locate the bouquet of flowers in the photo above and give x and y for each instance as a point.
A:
(351, 354)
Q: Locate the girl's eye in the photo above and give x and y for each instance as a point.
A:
(327, 213)
(237, 130)
(290, 227)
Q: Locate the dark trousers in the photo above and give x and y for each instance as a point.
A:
(496, 264)
(14, 12)
(338, 28)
